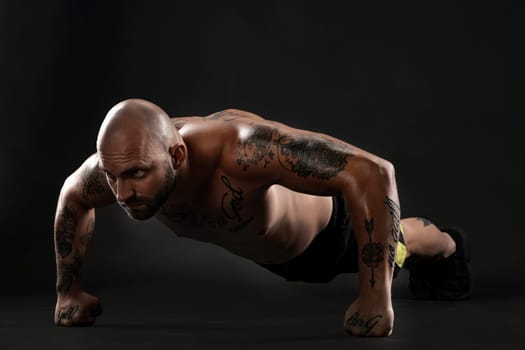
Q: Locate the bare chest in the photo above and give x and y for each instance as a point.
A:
(223, 211)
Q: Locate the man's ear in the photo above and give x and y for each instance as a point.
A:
(178, 154)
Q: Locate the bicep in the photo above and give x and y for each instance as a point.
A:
(301, 160)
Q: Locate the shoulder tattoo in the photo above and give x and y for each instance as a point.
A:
(303, 154)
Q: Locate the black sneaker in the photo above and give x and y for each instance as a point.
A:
(444, 279)
(453, 273)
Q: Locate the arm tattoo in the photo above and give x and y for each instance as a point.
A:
(372, 253)
(257, 147)
(394, 210)
(67, 273)
(304, 155)
(86, 238)
(391, 255)
(65, 231)
(424, 221)
(367, 325)
(92, 183)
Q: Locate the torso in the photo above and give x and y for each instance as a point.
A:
(268, 224)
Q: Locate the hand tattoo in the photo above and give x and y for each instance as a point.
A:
(67, 313)
(355, 321)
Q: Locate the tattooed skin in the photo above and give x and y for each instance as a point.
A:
(372, 253)
(67, 313)
(391, 255)
(424, 221)
(304, 155)
(224, 115)
(235, 196)
(394, 210)
(367, 325)
(67, 273)
(86, 238)
(65, 232)
(231, 208)
(92, 183)
(311, 156)
(257, 147)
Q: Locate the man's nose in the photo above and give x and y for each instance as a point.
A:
(124, 191)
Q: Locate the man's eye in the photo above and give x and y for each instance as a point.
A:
(137, 173)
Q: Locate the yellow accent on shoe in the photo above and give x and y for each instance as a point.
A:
(401, 250)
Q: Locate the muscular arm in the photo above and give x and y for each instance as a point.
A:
(82, 191)
(319, 164)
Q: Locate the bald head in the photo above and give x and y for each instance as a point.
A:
(140, 151)
(137, 121)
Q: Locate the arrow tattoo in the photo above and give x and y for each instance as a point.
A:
(372, 254)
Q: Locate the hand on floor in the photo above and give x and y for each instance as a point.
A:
(369, 318)
(79, 309)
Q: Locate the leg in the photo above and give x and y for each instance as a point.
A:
(424, 240)
(438, 262)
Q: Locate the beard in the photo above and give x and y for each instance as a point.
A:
(151, 206)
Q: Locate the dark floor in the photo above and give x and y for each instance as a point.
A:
(214, 315)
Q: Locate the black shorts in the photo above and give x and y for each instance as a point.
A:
(333, 251)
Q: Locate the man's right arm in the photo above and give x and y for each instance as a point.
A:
(82, 192)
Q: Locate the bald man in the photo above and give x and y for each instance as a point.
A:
(301, 204)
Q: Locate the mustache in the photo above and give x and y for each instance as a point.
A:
(137, 200)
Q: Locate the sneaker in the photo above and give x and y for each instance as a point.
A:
(453, 272)
(443, 279)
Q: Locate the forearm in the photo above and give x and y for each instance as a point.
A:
(72, 232)
(375, 218)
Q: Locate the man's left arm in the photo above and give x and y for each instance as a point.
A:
(318, 164)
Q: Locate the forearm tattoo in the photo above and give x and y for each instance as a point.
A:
(86, 238)
(366, 325)
(67, 273)
(307, 156)
(65, 231)
(372, 253)
(394, 211)
(92, 183)
(391, 255)
(395, 214)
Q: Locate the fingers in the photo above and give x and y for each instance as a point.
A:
(96, 309)
(88, 321)
(359, 332)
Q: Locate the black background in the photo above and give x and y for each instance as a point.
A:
(431, 87)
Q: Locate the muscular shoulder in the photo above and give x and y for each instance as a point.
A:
(207, 138)
(88, 185)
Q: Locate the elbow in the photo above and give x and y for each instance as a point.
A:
(380, 173)
(370, 175)
(386, 169)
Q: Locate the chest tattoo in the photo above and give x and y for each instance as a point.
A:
(231, 217)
